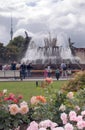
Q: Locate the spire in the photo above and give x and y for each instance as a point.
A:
(11, 32)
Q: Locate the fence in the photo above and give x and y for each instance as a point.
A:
(9, 73)
(16, 73)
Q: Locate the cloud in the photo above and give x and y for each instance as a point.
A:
(21, 32)
(39, 17)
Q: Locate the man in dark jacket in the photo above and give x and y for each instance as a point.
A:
(29, 68)
(22, 70)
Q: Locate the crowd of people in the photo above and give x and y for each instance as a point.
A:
(13, 66)
(25, 70)
(61, 71)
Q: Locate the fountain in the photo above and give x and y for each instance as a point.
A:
(54, 50)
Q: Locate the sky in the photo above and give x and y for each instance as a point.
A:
(39, 17)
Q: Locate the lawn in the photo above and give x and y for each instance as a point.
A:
(28, 89)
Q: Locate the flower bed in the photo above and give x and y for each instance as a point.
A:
(61, 110)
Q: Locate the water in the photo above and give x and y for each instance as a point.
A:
(50, 50)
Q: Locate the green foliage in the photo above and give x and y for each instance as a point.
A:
(17, 41)
(15, 49)
(50, 110)
(17, 44)
(9, 119)
(42, 111)
(78, 82)
(11, 52)
(80, 98)
(1, 49)
(59, 99)
(55, 99)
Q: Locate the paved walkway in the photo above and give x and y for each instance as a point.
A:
(32, 79)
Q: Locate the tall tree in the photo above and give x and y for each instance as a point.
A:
(15, 49)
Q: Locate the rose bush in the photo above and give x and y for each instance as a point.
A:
(58, 102)
(71, 121)
(62, 110)
(13, 111)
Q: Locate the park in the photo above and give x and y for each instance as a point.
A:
(42, 65)
(36, 99)
(24, 105)
(46, 92)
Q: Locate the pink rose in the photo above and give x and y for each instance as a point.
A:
(64, 118)
(33, 126)
(34, 100)
(14, 109)
(68, 126)
(72, 113)
(42, 128)
(79, 118)
(58, 128)
(72, 116)
(81, 124)
(47, 123)
(24, 109)
(83, 113)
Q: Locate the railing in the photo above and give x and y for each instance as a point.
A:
(16, 73)
(9, 73)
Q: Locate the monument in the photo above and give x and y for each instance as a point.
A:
(53, 51)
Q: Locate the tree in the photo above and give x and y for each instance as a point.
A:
(2, 50)
(15, 49)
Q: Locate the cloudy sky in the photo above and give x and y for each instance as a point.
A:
(38, 17)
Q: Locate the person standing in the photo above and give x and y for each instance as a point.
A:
(57, 73)
(29, 68)
(63, 69)
(49, 71)
(45, 73)
(13, 65)
(22, 71)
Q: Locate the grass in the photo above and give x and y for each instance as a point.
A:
(27, 89)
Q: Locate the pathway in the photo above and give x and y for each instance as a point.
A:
(31, 79)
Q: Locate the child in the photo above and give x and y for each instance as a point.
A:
(45, 73)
